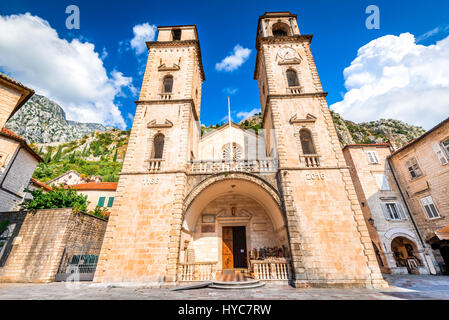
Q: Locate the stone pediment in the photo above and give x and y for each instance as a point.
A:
(309, 118)
(240, 215)
(154, 124)
(287, 56)
(173, 67)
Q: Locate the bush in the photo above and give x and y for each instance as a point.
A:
(58, 198)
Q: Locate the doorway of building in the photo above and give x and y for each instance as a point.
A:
(234, 251)
(444, 250)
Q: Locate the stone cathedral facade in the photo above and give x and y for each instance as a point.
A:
(274, 205)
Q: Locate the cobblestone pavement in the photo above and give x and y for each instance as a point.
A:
(401, 287)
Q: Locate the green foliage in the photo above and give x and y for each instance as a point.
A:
(100, 212)
(48, 155)
(58, 154)
(58, 198)
(73, 156)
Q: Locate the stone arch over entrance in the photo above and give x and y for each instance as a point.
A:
(271, 195)
(230, 221)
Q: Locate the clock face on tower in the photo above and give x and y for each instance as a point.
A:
(288, 55)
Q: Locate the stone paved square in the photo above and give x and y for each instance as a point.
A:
(405, 287)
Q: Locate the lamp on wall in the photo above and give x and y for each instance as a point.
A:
(371, 221)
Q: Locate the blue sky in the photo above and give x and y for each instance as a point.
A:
(339, 32)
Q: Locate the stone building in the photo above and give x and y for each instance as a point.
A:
(70, 177)
(16, 168)
(422, 169)
(396, 241)
(98, 193)
(290, 214)
(13, 96)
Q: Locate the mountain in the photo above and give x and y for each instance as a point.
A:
(397, 132)
(41, 120)
(95, 154)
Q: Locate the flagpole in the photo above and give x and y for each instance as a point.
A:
(230, 128)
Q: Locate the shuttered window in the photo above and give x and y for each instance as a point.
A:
(413, 168)
(393, 211)
(372, 157)
(382, 182)
(442, 154)
(101, 201)
(430, 207)
(110, 202)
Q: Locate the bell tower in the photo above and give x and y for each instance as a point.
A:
(142, 238)
(329, 239)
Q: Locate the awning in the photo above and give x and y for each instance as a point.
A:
(443, 233)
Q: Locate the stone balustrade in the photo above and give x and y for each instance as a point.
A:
(198, 271)
(155, 165)
(268, 165)
(311, 160)
(165, 96)
(294, 90)
(271, 270)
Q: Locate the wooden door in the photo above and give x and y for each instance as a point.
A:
(239, 242)
(227, 248)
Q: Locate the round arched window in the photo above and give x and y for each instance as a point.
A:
(236, 152)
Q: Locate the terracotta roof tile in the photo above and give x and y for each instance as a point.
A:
(94, 186)
(41, 184)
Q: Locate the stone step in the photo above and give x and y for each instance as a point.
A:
(237, 285)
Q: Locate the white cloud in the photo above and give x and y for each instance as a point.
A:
(246, 114)
(71, 73)
(232, 62)
(393, 77)
(142, 33)
(230, 91)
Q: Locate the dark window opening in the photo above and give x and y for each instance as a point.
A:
(280, 29)
(307, 142)
(176, 34)
(158, 146)
(292, 78)
(168, 84)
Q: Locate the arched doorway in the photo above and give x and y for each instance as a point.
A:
(405, 253)
(233, 226)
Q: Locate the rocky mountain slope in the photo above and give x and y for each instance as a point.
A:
(397, 132)
(41, 120)
(96, 154)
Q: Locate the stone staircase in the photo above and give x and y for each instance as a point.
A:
(235, 279)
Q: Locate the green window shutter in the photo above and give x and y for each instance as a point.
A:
(110, 202)
(101, 201)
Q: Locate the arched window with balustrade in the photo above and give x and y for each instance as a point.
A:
(158, 146)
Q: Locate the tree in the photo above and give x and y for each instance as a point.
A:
(48, 156)
(57, 156)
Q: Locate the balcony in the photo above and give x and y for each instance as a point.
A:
(268, 165)
(294, 90)
(154, 165)
(311, 160)
(165, 96)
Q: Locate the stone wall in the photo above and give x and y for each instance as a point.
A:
(39, 238)
(8, 100)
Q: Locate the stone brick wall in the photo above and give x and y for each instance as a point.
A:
(8, 100)
(39, 240)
